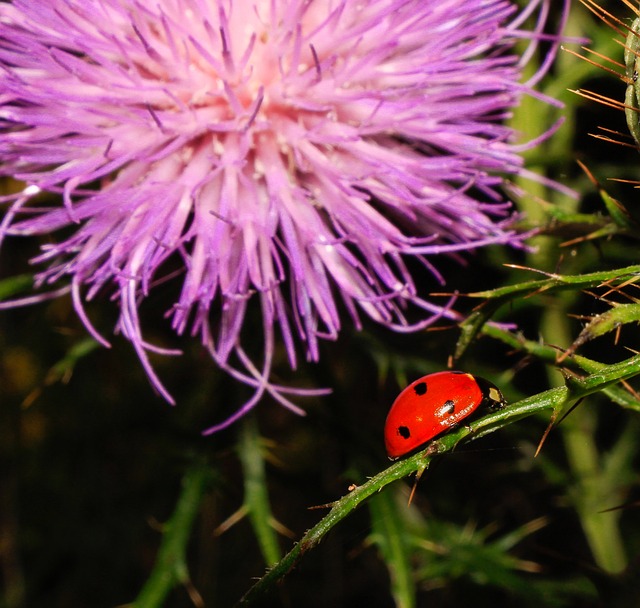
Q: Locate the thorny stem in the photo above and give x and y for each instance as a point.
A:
(171, 564)
(256, 497)
(555, 399)
(589, 485)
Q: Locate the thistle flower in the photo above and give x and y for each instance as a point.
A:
(289, 153)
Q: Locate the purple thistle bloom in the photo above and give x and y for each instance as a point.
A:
(293, 153)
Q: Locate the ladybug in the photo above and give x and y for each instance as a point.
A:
(434, 404)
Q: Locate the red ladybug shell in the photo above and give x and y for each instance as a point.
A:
(432, 405)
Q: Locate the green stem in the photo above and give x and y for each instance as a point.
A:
(391, 529)
(171, 564)
(547, 353)
(256, 497)
(560, 282)
(591, 490)
(494, 299)
(555, 399)
(590, 485)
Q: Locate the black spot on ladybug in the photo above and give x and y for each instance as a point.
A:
(404, 432)
(420, 389)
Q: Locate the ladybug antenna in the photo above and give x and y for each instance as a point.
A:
(553, 423)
